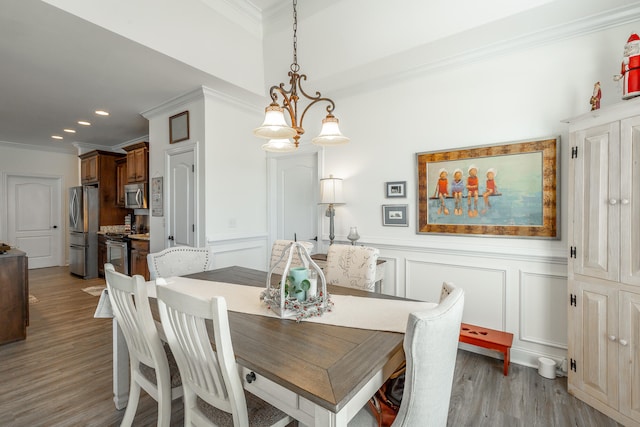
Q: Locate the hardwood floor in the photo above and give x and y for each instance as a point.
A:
(61, 374)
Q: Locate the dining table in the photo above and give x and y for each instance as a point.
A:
(320, 374)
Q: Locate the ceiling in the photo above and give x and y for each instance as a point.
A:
(57, 69)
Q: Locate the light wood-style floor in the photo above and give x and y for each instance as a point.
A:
(61, 374)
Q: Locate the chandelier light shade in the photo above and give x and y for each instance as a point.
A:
(279, 145)
(275, 125)
(330, 133)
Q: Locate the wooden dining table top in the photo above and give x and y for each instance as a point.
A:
(325, 364)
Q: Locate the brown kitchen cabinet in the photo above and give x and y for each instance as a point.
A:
(101, 165)
(137, 162)
(138, 259)
(121, 180)
(14, 288)
(90, 168)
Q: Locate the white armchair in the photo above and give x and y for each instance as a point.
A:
(431, 347)
(352, 266)
(178, 261)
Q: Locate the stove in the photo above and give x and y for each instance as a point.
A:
(118, 251)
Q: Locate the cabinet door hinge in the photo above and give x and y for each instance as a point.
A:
(573, 300)
(572, 252)
(573, 365)
(574, 152)
(193, 168)
(193, 228)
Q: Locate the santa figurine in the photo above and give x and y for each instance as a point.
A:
(630, 72)
(595, 98)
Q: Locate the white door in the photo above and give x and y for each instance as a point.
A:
(33, 216)
(296, 209)
(181, 196)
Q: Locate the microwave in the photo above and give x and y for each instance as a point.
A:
(135, 196)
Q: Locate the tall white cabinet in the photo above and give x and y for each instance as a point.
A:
(604, 260)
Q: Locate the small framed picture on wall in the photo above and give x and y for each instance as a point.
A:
(179, 127)
(395, 215)
(396, 189)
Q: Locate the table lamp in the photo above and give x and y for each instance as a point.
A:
(331, 194)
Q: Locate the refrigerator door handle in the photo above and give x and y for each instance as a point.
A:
(74, 209)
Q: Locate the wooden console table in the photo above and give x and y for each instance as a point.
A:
(14, 296)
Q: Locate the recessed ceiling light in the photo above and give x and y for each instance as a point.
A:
(102, 113)
(83, 123)
(69, 130)
(56, 137)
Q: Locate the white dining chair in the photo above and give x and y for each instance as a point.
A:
(431, 347)
(277, 262)
(213, 390)
(352, 266)
(178, 261)
(153, 367)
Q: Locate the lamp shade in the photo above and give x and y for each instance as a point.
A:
(279, 146)
(330, 133)
(274, 125)
(331, 191)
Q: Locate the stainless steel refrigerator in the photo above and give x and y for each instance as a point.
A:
(83, 231)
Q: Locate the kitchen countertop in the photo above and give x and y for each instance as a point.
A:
(139, 236)
(131, 236)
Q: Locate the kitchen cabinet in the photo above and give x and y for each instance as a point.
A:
(137, 162)
(102, 254)
(89, 168)
(14, 288)
(121, 180)
(103, 163)
(604, 261)
(138, 258)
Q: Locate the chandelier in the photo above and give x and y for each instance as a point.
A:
(275, 127)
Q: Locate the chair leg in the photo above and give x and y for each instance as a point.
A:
(132, 404)
(164, 404)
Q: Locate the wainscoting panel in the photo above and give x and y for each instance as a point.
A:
(484, 289)
(543, 309)
(245, 251)
(391, 276)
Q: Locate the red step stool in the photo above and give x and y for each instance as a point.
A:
(489, 339)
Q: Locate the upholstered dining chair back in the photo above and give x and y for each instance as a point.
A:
(153, 368)
(213, 390)
(178, 261)
(352, 266)
(431, 347)
(277, 250)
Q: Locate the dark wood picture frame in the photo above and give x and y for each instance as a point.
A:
(179, 127)
(516, 190)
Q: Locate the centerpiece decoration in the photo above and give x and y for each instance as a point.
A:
(297, 294)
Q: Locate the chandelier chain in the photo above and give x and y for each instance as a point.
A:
(295, 67)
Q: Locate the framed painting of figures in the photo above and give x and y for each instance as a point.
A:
(504, 190)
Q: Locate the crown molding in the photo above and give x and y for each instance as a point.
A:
(39, 147)
(475, 45)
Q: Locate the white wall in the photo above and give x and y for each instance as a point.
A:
(518, 285)
(38, 163)
(230, 175)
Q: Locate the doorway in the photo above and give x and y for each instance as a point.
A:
(34, 219)
(181, 198)
(294, 204)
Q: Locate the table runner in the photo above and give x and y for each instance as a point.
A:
(350, 311)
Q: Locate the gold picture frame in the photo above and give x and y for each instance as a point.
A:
(515, 192)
